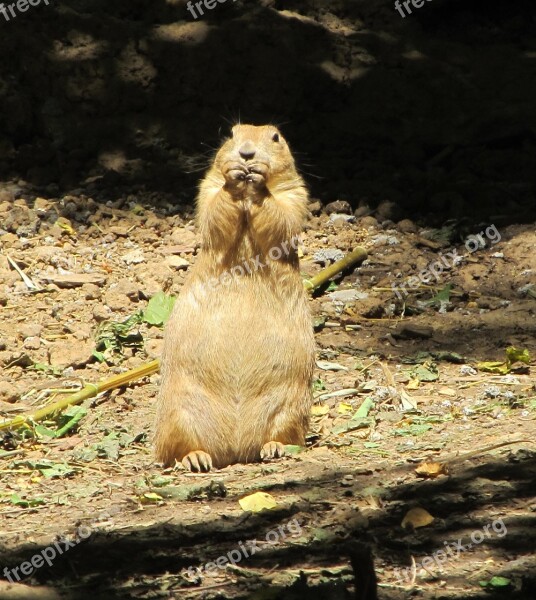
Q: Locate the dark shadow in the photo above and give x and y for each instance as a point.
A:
(113, 560)
(111, 98)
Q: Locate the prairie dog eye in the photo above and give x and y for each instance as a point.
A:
(275, 137)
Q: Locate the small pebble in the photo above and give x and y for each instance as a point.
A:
(467, 370)
(32, 343)
(339, 206)
(328, 255)
(492, 391)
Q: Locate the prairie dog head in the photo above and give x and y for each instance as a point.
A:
(254, 159)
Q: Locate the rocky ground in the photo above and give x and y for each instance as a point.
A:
(110, 111)
(402, 377)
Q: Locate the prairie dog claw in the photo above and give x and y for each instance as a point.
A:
(197, 461)
(272, 450)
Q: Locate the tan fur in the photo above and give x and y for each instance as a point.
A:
(238, 354)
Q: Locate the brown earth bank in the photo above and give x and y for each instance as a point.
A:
(433, 111)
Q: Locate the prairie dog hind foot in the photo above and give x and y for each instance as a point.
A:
(197, 461)
(272, 450)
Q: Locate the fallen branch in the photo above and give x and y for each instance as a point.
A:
(350, 260)
(91, 390)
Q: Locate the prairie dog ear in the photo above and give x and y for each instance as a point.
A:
(234, 128)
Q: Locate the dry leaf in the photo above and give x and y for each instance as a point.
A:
(431, 469)
(319, 410)
(344, 408)
(257, 502)
(150, 498)
(413, 384)
(408, 403)
(417, 517)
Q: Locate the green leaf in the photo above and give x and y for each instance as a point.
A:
(43, 431)
(159, 309)
(66, 421)
(353, 424)
(415, 429)
(517, 355)
(441, 297)
(159, 481)
(112, 336)
(25, 503)
(73, 415)
(499, 582)
(364, 409)
(319, 322)
(318, 385)
(322, 535)
(150, 498)
(513, 355)
(495, 582)
(48, 468)
(291, 449)
(44, 368)
(493, 367)
(110, 444)
(331, 287)
(98, 355)
(425, 372)
(448, 356)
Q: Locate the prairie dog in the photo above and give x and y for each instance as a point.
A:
(238, 354)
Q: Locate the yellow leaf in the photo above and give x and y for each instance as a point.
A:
(413, 384)
(137, 209)
(417, 517)
(150, 498)
(257, 502)
(517, 355)
(319, 410)
(493, 367)
(344, 408)
(65, 224)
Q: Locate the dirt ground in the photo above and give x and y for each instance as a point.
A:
(398, 382)
(110, 112)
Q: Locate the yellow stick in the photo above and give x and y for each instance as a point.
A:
(350, 260)
(91, 389)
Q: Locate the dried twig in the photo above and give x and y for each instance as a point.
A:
(88, 391)
(350, 260)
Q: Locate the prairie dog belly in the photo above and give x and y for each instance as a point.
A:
(254, 334)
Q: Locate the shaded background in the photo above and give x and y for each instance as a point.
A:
(435, 111)
(125, 101)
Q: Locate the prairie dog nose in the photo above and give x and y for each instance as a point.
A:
(247, 150)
